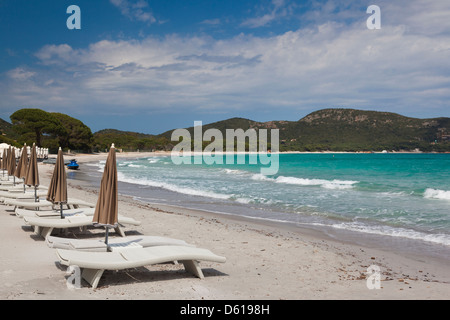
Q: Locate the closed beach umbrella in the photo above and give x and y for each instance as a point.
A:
(57, 190)
(12, 163)
(4, 161)
(21, 170)
(106, 210)
(32, 176)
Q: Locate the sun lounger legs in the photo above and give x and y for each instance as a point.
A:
(93, 276)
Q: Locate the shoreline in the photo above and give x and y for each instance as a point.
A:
(264, 261)
(88, 157)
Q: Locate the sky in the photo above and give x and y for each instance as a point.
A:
(154, 65)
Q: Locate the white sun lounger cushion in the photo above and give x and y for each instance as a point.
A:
(50, 213)
(69, 222)
(99, 244)
(19, 194)
(45, 203)
(46, 225)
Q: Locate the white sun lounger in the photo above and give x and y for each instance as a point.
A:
(5, 182)
(93, 264)
(30, 204)
(45, 226)
(98, 245)
(54, 213)
(20, 188)
(20, 195)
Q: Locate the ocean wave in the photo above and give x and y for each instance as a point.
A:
(153, 160)
(244, 200)
(393, 194)
(327, 184)
(233, 171)
(261, 177)
(443, 239)
(436, 194)
(135, 165)
(171, 187)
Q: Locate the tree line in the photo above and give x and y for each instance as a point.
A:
(53, 130)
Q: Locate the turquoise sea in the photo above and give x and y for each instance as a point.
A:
(394, 195)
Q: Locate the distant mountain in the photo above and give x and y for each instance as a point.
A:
(353, 130)
(323, 130)
(349, 130)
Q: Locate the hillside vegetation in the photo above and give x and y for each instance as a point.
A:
(129, 141)
(323, 130)
(350, 130)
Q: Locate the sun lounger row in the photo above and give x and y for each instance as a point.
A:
(94, 256)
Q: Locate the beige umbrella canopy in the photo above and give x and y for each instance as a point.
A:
(106, 210)
(21, 170)
(32, 176)
(57, 190)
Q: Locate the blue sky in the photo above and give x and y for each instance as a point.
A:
(150, 66)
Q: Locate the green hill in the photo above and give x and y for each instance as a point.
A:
(357, 130)
(349, 130)
(7, 134)
(129, 141)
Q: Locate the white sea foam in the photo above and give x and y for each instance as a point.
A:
(171, 187)
(327, 184)
(393, 194)
(135, 165)
(395, 232)
(153, 160)
(261, 177)
(233, 171)
(436, 194)
(244, 200)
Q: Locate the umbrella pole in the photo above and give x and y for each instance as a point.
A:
(23, 185)
(106, 235)
(61, 205)
(35, 194)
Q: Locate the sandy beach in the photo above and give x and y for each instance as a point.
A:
(264, 261)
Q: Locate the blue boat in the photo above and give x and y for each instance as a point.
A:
(73, 165)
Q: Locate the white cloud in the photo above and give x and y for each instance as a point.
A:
(135, 10)
(20, 74)
(277, 11)
(399, 68)
(211, 22)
